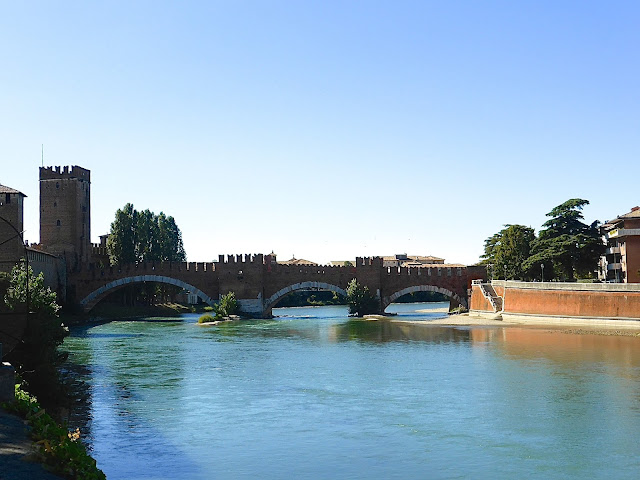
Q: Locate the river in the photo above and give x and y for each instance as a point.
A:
(313, 394)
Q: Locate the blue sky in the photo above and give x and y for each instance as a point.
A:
(326, 130)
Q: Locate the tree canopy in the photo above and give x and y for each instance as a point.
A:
(41, 298)
(507, 250)
(360, 300)
(137, 237)
(566, 246)
(572, 246)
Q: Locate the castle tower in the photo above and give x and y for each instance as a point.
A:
(12, 222)
(65, 213)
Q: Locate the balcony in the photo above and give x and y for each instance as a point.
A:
(623, 232)
(614, 266)
(613, 250)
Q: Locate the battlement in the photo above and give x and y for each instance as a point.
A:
(58, 173)
(368, 262)
(256, 258)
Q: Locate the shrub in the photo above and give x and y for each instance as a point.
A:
(59, 448)
(228, 305)
(208, 309)
(207, 318)
(360, 300)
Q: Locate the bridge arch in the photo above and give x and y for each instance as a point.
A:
(423, 288)
(273, 299)
(94, 297)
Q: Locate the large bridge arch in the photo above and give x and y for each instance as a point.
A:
(301, 286)
(423, 288)
(94, 297)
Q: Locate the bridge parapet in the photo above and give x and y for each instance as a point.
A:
(255, 258)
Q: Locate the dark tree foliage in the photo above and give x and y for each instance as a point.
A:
(36, 358)
(360, 300)
(507, 251)
(567, 243)
(138, 237)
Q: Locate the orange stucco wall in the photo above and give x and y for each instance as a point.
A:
(479, 302)
(569, 303)
(573, 303)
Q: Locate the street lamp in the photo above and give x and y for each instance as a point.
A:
(542, 267)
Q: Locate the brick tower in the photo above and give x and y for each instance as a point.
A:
(65, 213)
(11, 211)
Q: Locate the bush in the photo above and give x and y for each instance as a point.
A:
(360, 300)
(58, 447)
(208, 309)
(207, 318)
(228, 305)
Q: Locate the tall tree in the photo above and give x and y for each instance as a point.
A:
(121, 243)
(137, 237)
(572, 246)
(507, 251)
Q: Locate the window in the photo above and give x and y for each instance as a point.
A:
(58, 223)
(55, 204)
(7, 198)
(57, 184)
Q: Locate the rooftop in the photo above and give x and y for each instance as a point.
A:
(297, 261)
(4, 189)
(634, 213)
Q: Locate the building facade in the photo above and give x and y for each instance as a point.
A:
(65, 213)
(621, 261)
(11, 227)
(404, 260)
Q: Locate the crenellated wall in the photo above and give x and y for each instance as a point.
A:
(259, 282)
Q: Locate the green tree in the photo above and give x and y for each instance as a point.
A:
(570, 245)
(41, 298)
(121, 243)
(507, 250)
(36, 358)
(228, 305)
(360, 300)
(137, 237)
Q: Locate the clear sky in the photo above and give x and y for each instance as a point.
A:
(330, 129)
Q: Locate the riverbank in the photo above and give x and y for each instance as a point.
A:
(578, 327)
(17, 453)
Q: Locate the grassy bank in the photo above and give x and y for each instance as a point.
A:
(58, 448)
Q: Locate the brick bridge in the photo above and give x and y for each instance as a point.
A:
(259, 282)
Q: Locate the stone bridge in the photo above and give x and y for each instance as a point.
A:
(259, 282)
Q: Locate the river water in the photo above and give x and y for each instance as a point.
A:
(313, 394)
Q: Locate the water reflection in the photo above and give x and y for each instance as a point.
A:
(315, 394)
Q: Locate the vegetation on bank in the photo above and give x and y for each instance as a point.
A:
(227, 306)
(59, 448)
(36, 357)
(37, 360)
(360, 300)
(565, 249)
